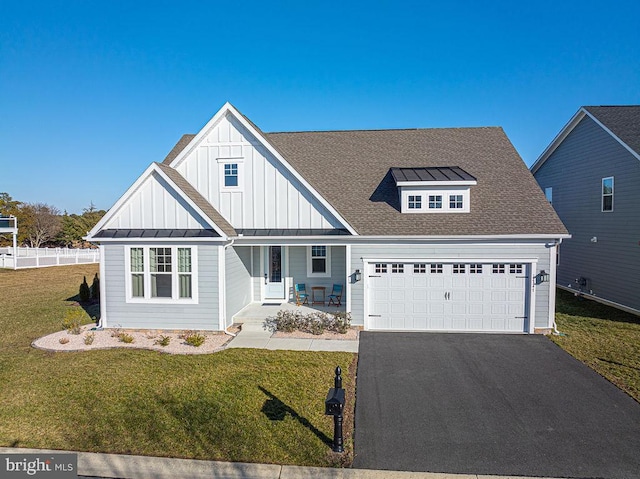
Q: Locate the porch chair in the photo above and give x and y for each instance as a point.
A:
(335, 297)
(301, 294)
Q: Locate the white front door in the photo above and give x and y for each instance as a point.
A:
(274, 279)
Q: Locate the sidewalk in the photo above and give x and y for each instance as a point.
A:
(253, 335)
(144, 467)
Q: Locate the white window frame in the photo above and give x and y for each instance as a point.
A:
(327, 272)
(175, 284)
(222, 162)
(603, 195)
(415, 203)
(444, 192)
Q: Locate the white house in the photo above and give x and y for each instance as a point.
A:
(427, 229)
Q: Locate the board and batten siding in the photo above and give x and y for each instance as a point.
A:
(298, 270)
(268, 195)
(611, 261)
(237, 280)
(201, 316)
(462, 252)
(155, 205)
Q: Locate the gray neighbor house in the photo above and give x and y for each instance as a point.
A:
(425, 229)
(591, 175)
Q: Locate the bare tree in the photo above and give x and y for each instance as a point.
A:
(41, 222)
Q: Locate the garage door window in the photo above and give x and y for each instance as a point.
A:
(515, 268)
(397, 268)
(459, 268)
(420, 268)
(475, 268)
(381, 268)
(436, 268)
(498, 269)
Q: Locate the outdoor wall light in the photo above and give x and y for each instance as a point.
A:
(543, 277)
(357, 275)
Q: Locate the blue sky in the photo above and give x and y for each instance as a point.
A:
(91, 92)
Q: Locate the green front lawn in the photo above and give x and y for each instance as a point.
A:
(236, 405)
(605, 338)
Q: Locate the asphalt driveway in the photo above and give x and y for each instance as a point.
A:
(489, 404)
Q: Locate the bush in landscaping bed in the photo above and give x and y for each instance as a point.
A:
(315, 323)
(85, 291)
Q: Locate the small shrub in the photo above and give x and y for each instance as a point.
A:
(315, 323)
(85, 291)
(286, 321)
(95, 287)
(126, 338)
(63, 340)
(341, 322)
(88, 338)
(116, 333)
(150, 335)
(163, 341)
(193, 339)
(72, 320)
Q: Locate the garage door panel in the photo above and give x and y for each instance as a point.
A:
(417, 296)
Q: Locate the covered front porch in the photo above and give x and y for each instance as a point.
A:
(259, 311)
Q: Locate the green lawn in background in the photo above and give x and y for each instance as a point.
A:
(604, 338)
(235, 405)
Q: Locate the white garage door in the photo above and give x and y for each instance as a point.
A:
(448, 296)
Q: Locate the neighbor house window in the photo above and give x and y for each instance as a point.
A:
(607, 194)
(548, 193)
(318, 261)
(435, 201)
(231, 174)
(161, 273)
(415, 202)
(455, 202)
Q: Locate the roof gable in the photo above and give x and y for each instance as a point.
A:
(158, 201)
(621, 122)
(275, 196)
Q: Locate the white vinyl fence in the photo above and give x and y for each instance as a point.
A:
(41, 257)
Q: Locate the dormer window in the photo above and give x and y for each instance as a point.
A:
(434, 189)
(415, 202)
(435, 202)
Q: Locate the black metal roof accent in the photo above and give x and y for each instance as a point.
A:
(157, 233)
(292, 232)
(438, 173)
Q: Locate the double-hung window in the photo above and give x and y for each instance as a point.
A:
(161, 274)
(318, 261)
(607, 194)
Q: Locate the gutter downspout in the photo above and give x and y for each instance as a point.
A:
(555, 326)
(225, 297)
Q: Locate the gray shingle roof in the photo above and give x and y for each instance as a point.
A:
(623, 121)
(197, 198)
(351, 170)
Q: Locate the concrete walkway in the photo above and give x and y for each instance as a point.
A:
(144, 467)
(253, 335)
